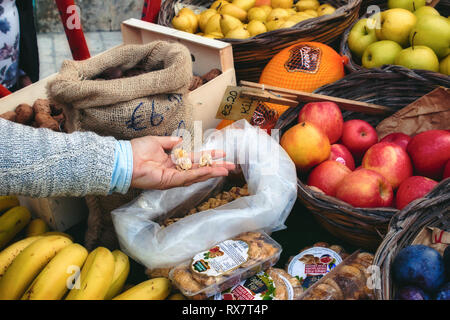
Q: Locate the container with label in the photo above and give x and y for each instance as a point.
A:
(225, 265)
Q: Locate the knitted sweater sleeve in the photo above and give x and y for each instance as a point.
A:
(43, 163)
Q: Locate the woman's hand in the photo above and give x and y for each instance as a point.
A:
(153, 168)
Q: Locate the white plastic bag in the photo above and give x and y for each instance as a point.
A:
(272, 181)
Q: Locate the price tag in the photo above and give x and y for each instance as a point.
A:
(235, 107)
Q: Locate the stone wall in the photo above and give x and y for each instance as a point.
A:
(96, 15)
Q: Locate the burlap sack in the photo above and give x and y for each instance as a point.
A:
(153, 103)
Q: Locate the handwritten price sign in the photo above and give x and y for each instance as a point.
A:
(235, 107)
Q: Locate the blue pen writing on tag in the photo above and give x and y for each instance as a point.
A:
(175, 96)
(134, 121)
(155, 118)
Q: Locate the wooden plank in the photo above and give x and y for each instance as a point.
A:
(345, 104)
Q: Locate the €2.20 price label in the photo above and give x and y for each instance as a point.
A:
(235, 107)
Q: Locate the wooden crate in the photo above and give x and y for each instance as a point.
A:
(63, 213)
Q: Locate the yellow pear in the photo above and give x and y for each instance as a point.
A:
(228, 23)
(286, 4)
(213, 25)
(192, 16)
(238, 33)
(288, 24)
(183, 23)
(311, 12)
(244, 4)
(291, 11)
(216, 5)
(257, 14)
(325, 9)
(204, 17)
(256, 27)
(299, 17)
(266, 8)
(234, 11)
(214, 35)
(303, 5)
(199, 33)
(274, 24)
(278, 13)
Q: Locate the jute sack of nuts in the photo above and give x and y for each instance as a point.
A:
(154, 102)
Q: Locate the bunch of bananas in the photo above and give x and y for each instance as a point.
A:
(50, 266)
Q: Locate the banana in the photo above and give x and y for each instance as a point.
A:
(96, 276)
(8, 202)
(8, 255)
(56, 233)
(11, 223)
(36, 228)
(121, 271)
(28, 264)
(54, 280)
(154, 289)
(176, 296)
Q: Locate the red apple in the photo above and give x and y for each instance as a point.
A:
(358, 136)
(341, 154)
(413, 188)
(327, 175)
(326, 115)
(430, 151)
(365, 189)
(398, 138)
(446, 170)
(390, 160)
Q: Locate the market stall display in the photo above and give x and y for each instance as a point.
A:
(252, 54)
(390, 87)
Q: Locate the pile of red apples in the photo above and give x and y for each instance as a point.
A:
(347, 160)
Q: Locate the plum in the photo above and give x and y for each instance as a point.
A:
(420, 266)
(411, 293)
(447, 261)
(444, 292)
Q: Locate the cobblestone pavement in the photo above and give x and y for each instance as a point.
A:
(54, 48)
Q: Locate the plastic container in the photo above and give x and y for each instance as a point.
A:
(225, 265)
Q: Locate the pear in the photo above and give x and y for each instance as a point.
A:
(228, 23)
(303, 5)
(183, 23)
(256, 27)
(266, 8)
(204, 17)
(199, 33)
(274, 24)
(285, 4)
(325, 9)
(257, 14)
(298, 17)
(291, 11)
(216, 5)
(312, 13)
(234, 11)
(278, 13)
(288, 24)
(213, 25)
(214, 35)
(244, 4)
(238, 33)
(192, 16)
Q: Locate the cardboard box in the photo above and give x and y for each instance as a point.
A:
(63, 213)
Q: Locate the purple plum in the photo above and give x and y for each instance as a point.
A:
(420, 266)
(444, 292)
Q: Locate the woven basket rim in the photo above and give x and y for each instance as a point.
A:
(405, 226)
(342, 13)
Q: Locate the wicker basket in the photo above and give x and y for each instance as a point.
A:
(392, 86)
(354, 63)
(433, 210)
(251, 55)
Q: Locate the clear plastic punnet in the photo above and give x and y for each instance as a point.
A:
(269, 174)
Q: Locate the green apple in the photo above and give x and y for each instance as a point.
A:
(360, 37)
(396, 25)
(418, 57)
(424, 11)
(380, 53)
(444, 66)
(434, 32)
(410, 5)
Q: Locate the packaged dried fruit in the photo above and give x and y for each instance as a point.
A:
(225, 265)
